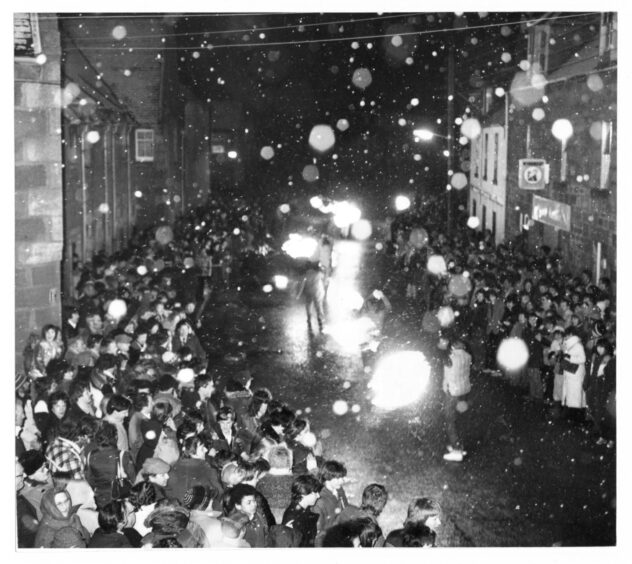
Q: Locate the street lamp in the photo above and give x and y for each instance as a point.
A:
(423, 134)
(562, 129)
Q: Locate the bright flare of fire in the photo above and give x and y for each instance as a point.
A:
(400, 379)
(280, 282)
(298, 246)
(512, 354)
(345, 214)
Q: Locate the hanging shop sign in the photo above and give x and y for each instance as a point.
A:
(551, 213)
(533, 174)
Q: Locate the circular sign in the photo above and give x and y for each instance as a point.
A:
(532, 174)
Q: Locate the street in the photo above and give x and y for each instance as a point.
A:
(529, 479)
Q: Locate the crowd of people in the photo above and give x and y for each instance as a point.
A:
(139, 425)
(471, 296)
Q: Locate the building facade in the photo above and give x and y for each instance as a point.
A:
(534, 176)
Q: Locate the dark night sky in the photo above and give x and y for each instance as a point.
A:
(299, 74)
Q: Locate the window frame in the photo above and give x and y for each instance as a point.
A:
(140, 155)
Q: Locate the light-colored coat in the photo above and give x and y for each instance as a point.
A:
(573, 394)
(456, 378)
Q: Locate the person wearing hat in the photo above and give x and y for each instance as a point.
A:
(58, 513)
(171, 521)
(37, 478)
(197, 500)
(155, 471)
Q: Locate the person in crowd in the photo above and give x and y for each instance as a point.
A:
(312, 291)
(142, 406)
(142, 501)
(197, 500)
(66, 452)
(57, 513)
(332, 499)
(27, 520)
(112, 521)
(81, 402)
(233, 532)
(421, 511)
(574, 369)
(117, 411)
(191, 469)
(155, 431)
(598, 385)
(243, 502)
(36, 479)
(106, 462)
(357, 533)
(418, 535)
(374, 498)
(155, 472)
(456, 385)
(305, 492)
(276, 484)
(49, 348)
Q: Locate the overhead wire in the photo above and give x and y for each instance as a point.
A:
(212, 47)
(254, 29)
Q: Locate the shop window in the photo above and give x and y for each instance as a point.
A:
(539, 48)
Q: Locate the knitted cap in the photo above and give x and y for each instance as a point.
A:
(197, 497)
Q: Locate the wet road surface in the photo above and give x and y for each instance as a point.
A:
(529, 479)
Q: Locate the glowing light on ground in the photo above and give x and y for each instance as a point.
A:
(104, 208)
(117, 309)
(322, 138)
(281, 282)
(284, 208)
(400, 378)
(267, 288)
(361, 230)
(562, 129)
(538, 114)
(142, 270)
(298, 246)
(402, 203)
(164, 235)
(512, 354)
(119, 32)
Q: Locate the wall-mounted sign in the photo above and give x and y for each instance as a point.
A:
(552, 213)
(533, 174)
(26, 37)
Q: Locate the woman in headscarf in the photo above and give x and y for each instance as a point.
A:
(57, 513)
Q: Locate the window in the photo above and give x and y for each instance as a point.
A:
(488, 98)
(494, 225)
(495, 164)
(606, 149)
(608, 36)
(476, 156)
(485, 155)
(144, 141)
(484, 219)
(474, 208)
(539, 48)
